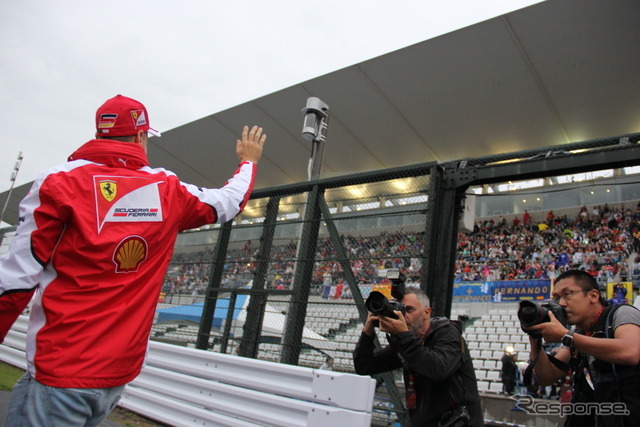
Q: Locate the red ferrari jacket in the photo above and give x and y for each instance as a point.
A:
(94, 240)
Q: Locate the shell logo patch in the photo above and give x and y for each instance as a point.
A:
(129, 254)
(108, 189)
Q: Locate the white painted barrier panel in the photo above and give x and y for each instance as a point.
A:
(173, 412)
(326, 387)
(21, 324)
(185, 386)
(246, 404)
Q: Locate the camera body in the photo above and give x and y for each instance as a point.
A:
(379, 305)
(533, 313)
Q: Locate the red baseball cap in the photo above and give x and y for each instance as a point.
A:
(122, 116)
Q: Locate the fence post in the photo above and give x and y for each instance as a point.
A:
(252, 327)
(305, 258)
(343, 259)
(217, 267)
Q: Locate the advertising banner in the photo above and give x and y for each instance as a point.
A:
(472, 292)
(520, 290)
(502, 291)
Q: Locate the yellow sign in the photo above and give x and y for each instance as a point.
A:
(619, 292)
(384, 289)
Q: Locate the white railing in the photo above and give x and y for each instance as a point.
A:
(184, 386)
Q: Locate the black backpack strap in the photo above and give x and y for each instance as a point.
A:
(464, 356)
(608, 333)
(608, 323)
(608, 326)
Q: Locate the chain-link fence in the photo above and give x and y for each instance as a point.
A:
(274, 280)
(286, 280)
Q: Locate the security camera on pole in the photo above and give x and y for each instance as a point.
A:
(314, 128)
(316, 115)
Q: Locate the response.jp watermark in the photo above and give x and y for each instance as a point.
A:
(529, 405)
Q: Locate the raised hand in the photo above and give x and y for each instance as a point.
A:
(249, 148)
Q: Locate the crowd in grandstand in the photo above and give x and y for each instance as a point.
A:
(600, 240)
(189, 272)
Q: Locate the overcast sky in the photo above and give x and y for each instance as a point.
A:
(184, 60)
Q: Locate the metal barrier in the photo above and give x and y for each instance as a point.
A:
(185, 386)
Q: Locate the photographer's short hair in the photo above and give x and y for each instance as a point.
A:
(583, 279)
(419, 293)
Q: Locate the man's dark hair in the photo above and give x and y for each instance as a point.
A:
(583, 279)
(128, 138)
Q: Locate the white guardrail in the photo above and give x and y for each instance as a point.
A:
(185, 386)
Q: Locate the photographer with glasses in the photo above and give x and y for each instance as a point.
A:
(600, 359)
(439, 378)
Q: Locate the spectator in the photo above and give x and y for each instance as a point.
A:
(508, 372)
(327, 365)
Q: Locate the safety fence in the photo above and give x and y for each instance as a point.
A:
(281, 282)
(186, 386)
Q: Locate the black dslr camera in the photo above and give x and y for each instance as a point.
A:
(533, 313)
(379, 305)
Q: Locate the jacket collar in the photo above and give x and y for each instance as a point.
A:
(436, 323)
(113, 153)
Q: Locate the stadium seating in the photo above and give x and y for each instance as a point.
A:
(501, 328)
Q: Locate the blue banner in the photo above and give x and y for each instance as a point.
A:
(502, 291)
(472, 292)
(520, 290)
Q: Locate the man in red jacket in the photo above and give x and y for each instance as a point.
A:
(93, 243)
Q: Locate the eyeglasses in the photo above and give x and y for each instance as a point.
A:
(567, 295)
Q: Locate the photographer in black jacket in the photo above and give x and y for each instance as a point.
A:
(439, 379)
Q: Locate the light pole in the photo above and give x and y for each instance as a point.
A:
(316, 115)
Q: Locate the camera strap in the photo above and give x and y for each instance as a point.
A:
(593, 324)
(527, 377)
(410, 391)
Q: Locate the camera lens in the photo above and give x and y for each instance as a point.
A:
(376, 302)
(528, 315)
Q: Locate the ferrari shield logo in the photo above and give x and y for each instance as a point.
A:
(108, 190)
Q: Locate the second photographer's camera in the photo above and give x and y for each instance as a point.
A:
(533, 313)
(379, 305)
